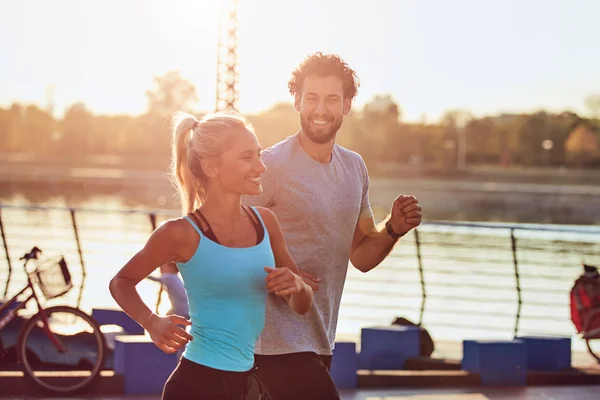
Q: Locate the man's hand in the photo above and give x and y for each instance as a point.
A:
(406, 214)
(282, 281)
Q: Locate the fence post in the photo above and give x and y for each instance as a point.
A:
(7, 255)
(422, 277)
(80, 252)
(153, 221)
(513, 242)
(152, 217)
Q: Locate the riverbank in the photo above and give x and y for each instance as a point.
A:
(510, 195)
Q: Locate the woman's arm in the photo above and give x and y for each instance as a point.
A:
(285, 280)
(163, 246)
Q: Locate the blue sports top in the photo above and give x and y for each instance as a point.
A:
(226, 293)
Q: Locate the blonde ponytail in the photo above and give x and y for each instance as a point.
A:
(190, 188)
(193, 141)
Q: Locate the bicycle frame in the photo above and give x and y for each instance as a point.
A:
(60, 347)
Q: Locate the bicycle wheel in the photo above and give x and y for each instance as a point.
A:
(61, 350)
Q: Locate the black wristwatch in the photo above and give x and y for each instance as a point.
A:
(390, 231)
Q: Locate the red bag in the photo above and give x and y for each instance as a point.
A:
(585, 298)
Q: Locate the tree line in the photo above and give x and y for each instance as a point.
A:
(376, 131)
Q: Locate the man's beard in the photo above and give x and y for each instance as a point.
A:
(318, 134)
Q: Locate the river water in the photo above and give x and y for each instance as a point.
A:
(467, 272)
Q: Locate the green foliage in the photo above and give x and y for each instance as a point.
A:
(377, 132)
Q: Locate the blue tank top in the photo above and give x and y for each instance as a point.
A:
(226, 294)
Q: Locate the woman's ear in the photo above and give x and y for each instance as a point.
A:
(209, 167)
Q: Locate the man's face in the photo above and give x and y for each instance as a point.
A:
(322, 107)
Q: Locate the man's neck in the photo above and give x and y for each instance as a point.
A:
(320, 152)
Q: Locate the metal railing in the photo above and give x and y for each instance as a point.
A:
(483, 279)
(472, 277)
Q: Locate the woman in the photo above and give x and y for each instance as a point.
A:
(230, 258)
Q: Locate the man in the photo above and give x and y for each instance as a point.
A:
(320, 194)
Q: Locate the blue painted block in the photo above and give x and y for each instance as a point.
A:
(144, 366)
(387, 347)
(117, 317)
(12, 307)
(547, 353)
(344, 365)
(470, 356)
(499, 363)
(9, 336)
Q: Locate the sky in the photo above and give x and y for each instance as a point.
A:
(431, 56)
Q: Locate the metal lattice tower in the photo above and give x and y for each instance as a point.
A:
(227, 74)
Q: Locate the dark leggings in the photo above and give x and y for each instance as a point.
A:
(198, 382)
(296, 376)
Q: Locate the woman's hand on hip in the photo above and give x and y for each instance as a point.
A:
(166, 332)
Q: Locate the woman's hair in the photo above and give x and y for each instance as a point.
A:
(194, 141)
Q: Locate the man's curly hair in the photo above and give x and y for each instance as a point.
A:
(320, 64)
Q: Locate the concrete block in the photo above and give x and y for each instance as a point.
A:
(498, 362)
(344, 365)
(117, 317)
(144, 366)
(387, 347)
(547, 353)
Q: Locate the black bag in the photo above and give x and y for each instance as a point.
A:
(427, 346)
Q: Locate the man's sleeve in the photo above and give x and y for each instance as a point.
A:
(365, 206)
(267, 181)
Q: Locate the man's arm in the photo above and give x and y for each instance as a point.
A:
(371, 244)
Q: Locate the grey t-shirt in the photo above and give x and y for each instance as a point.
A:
(318, 206)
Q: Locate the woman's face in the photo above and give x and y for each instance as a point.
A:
(240, 166)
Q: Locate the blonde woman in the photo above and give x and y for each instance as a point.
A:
(231, 257)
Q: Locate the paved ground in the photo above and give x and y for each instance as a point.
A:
(529, 393)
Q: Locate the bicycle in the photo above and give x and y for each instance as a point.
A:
(50, 355)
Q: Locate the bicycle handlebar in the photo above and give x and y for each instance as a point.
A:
(33, 254)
